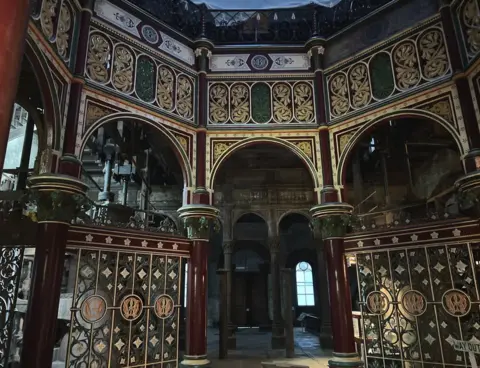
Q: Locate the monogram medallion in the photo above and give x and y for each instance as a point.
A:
(377, 302)
(93, 309)
(131, 307)
(164, 306)
(456, 303)
(414, 303)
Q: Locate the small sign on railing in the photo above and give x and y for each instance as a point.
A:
(469, 347)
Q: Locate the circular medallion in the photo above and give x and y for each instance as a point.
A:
(456, 303)
(259, 62)
(93, 309)
(150, 34)
(131, 307)
(414, 303)
(164, 306)
(377, 302)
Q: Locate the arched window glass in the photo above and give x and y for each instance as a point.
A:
(185, 286)
(304, 277)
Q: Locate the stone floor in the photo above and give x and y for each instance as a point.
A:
(253, 348)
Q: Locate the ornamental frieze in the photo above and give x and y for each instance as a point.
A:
(412, 62)
(268, 102)
(128, 71)
(468, 17)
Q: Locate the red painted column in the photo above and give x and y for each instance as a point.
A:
(196, 303)
(13, 24)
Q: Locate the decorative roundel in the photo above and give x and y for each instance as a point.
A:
(259, 62)
(131, 307)
(93, 309)
(150, 34)
(414, 303)
(456, 303)
(164, 306)
(377, 302)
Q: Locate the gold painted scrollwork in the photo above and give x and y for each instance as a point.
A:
(359, 86)
(218, 103)
(98, 59)
(47, 17)
(166, 82)
(219, 148)
(303, 100)
(305, 147)
(343, 141)
(433, 54)
(339, 104)
(184, 97)
(240, 99)
(282, 103)
(63, 31)
(122, 78)
(407, 71)
(183, 142)
(95, 112)
(441, 108)
(471, 21)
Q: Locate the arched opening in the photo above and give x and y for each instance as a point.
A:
(304, 284)
(133, 171)
(401, 170)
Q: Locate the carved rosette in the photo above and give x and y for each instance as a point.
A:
(57, 198)
(332, 220)
(199, 220)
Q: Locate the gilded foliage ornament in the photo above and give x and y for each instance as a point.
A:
(57, 206)
(433, 54)
(218, 105)
(123, 66)
(219, 148)
(183, 142)
(282, 103)
(201, 227)
(165, 85)
(339, 104)
(303, 100)
(96, 112)
(184, 97)
(407, 72)
(305, 147)
(63, 31)
(441, 108)
(333, 226)
(359, 86)
(343, 141)
(240, 100)
(471, 22)
(98, 59)
(47, 17)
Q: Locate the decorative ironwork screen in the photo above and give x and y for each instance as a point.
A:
(125, 310)
(416, 302)
(11, 262)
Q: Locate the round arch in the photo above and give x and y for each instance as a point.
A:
(256, 213)
(256, 140)
(179, 152)
(399, 114)
(50, 126)
(293, 212)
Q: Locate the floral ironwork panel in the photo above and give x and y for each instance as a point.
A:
(125, 310)
(11, 260)
(468, 15)
(420, 58)
(416, 303)
(273, 102)
(129, 71)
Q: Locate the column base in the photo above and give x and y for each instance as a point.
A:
(278, 342)
(194, 361)
(342, 360)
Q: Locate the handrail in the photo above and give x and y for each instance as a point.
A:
(366, 199)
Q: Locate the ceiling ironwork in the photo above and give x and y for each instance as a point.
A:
(273, 26)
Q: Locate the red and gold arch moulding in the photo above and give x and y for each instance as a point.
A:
(440, 105)
(303, 144)
(97, 109)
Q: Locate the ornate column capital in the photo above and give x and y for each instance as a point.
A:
(332, 220)
(199, 220)
(468, 193)
(228, 246)
(57, 198)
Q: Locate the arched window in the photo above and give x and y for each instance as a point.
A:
(304, 277)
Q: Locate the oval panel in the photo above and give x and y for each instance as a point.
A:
(145, 79)
(261, 103)
(381, 75)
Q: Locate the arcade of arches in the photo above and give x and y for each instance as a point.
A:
(186, 186)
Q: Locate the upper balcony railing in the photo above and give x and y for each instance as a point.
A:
(284, 26)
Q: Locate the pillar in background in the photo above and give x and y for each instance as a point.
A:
(58, 199)
(227, 255)
(199, 222)
(13, 25)
(278, 333)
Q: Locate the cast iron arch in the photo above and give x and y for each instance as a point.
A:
(178, 150)
(50, 125)
(257, 140)
(399, 114)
